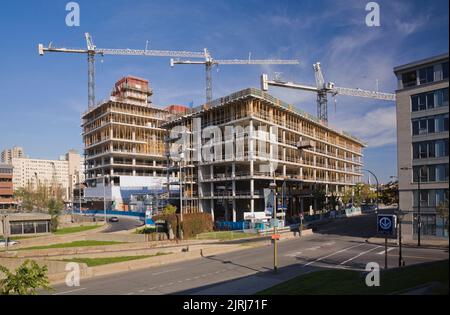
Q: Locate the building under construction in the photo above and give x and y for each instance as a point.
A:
(235, 146)
(124, 147)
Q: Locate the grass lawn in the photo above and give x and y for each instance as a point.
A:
(224, 235)
(348, 282)
(75, 229)
(74, 244)
(92, 262)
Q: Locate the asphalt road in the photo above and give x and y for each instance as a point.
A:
(123, 225)
(250, 269)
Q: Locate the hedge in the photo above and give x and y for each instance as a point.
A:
(193, 223)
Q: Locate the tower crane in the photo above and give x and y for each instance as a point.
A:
(323, 89)
(209, 62)
(91, 50)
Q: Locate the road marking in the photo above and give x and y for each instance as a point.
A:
(359, 255)
(131, 293)
(340, 251)
(165, 271)
(313, 248)
(295, 254)
(65, 292)
(383, 251)
(141, 291)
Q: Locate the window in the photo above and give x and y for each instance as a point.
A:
(409, 79)
(445, 70)
(426, 75)
(442, 148)
(442, 97)
(442, 172)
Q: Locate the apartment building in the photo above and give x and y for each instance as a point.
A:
(234, 147)
(31, 172)
(124, 146)
(8, 154)
(6, 187)
(422, 143)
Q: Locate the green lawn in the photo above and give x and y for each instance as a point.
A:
(347, 282)
(74, 244)
(92, 262)
(224, 235)
(75, 229)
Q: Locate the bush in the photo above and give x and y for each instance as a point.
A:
(196, 223)
(172, 219)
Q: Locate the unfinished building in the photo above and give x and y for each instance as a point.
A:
(124, 146)
(235, 146)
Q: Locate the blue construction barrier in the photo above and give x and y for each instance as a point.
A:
(232, 226)
(139, 215)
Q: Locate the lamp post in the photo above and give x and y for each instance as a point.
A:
(104, 196)
(273, 187)
(419, 181)
(302, 145)
(181, 187)
(378, 186)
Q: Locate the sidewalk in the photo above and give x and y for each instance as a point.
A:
(430, 244)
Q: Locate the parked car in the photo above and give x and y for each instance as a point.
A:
(10, 243)
(114, 219)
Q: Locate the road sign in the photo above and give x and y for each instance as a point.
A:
(276, 236)
(386, 224)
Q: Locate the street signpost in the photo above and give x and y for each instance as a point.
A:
(386, 226)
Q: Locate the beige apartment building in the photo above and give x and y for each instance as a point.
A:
(422, 144)
(14, 153)
(235, 146)
(63, 172)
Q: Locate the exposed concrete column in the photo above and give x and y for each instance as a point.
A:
(251, 141)
(252, 187)
(234, 210)
(212, 209)
(252, 205)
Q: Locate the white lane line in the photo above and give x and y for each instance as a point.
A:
(141, 291)
(295, 254)
(165, 271)
(389, 249)
(65, 292)
(131, 293)
(359, 255)
(332, 254)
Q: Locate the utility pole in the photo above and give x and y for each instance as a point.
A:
(104, 196)
(273, 187)
(419, 181)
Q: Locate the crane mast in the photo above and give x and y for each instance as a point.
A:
(323, 89)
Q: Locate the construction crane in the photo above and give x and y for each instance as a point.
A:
(92, 50)
(323, 89)
(209, 62)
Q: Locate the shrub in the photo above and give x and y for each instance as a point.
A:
(196, 223)
(169, 209)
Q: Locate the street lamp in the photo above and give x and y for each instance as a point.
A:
(181, 186)
(378, 186)
(106, 177)
(302, 145)
(419, 221)
(273, 187)
(400, 215)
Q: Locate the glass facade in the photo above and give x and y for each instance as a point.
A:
(429, 100)
(424, 75)
(29, 227)
(430, 124)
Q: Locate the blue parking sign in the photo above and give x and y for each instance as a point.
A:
(386, 224)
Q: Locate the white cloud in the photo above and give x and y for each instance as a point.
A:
(377, 127)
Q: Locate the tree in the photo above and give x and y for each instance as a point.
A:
(26, 279)
(169, 209)
(320, 196)
(442, 210)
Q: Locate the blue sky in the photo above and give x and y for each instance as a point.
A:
(42, 98)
